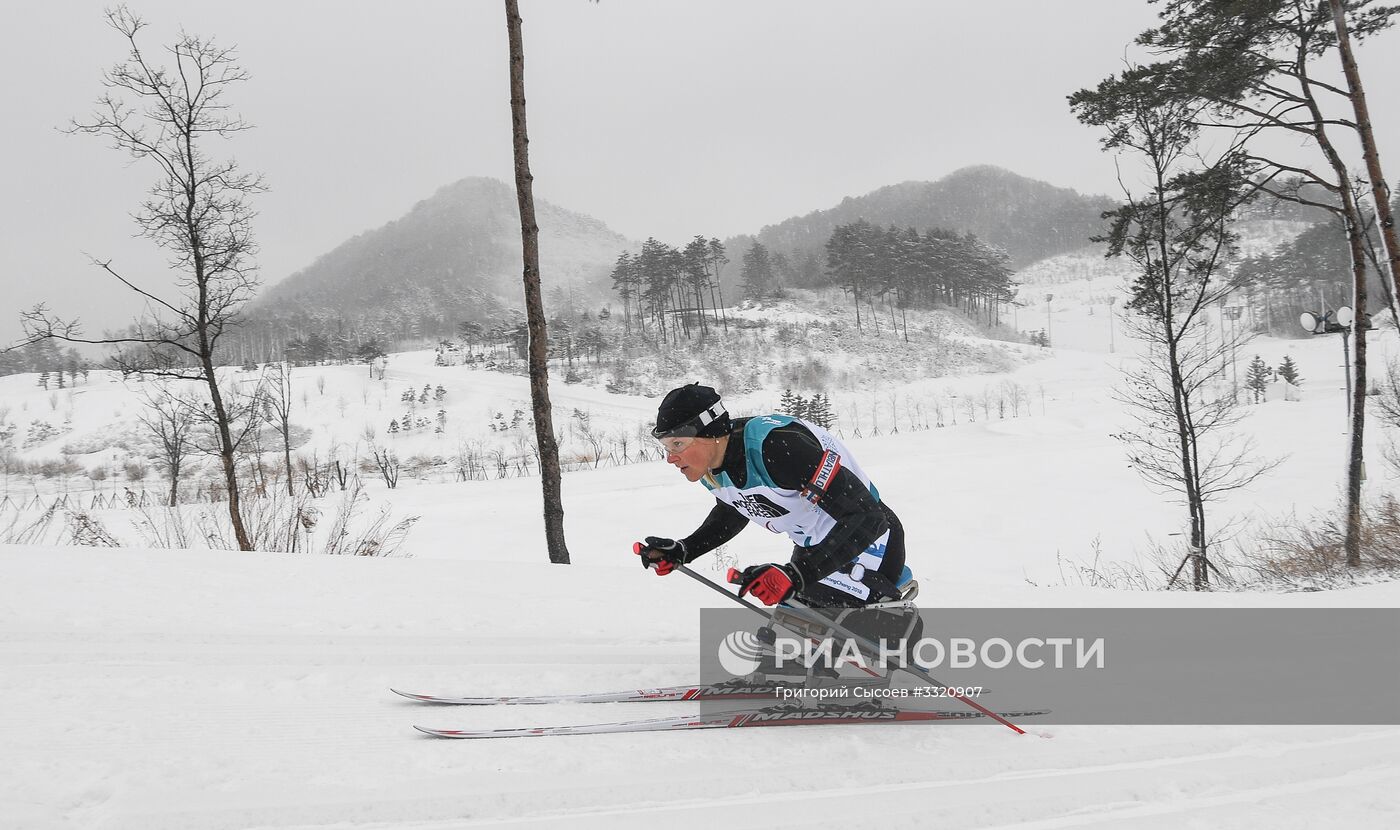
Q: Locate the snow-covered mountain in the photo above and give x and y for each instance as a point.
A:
(455, 256)
(1027, 218)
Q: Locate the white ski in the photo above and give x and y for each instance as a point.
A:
(772, 716)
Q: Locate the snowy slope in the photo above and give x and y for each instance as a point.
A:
(154, 689)
(211, 690)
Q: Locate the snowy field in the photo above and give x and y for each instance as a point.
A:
(209, 690)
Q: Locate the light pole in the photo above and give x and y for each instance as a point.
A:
(1111, 301)
(1224, 339)
(1048, 332)
(1232, 313)
(1327, 322)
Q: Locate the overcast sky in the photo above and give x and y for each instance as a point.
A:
(659, 117)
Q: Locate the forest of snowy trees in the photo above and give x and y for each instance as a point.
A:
(677, 291)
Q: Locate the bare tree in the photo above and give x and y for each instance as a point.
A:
(169, 420)
(1178, 236)
(548, 448)
(277, 410)
(1250, 65)
(1388, 409)
(389, 465)
(196, 211)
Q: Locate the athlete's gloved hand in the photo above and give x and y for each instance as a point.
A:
(770, 583)
(662, 555)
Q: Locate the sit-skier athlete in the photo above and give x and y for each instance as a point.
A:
(789, 476)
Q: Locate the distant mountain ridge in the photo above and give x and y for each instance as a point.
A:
(1027, 218)
(454, 256)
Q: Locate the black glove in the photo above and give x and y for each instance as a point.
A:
(662, 554)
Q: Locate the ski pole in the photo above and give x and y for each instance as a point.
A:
(685, 569)
(637, 548)
(816, 619)
(749, 605)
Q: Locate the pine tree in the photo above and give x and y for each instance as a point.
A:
(1288, 370)
(757, 273)
(697, 277)
(627, 282)
(820, 412)
(850, 257)
(717, 261)
(787, 404)
(1257, 380)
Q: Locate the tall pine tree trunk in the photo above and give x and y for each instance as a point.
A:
(1356, 454)
(534, 305)
(1380, 191)
(1351, 215)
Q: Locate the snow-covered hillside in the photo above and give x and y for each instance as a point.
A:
(196, 689)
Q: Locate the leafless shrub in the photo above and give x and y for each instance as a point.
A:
(14, 530)
(378, 539)
(87, 531)
(60, 523)
(315, 477)
(1096, 573)
(340, 471)
(1310, 554)
(1294, 555)
(164, 526)
(387, 462)
(278, 521)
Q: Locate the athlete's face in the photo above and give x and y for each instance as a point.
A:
(692, 456)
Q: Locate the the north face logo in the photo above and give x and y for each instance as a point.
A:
(760, 506)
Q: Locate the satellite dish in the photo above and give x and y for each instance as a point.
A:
(1308, 321)
(1344, 316)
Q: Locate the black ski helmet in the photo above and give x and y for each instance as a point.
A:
(691, 410)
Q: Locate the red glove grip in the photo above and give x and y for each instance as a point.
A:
(660, 566)
(771, 585)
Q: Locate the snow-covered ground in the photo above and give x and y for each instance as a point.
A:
(146, 689)
(156, 689)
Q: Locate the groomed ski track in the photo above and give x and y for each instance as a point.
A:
(137, 692)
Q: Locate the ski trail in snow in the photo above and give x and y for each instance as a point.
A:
(1117, 794)
(1151, 792)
